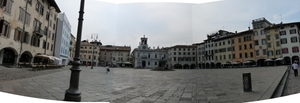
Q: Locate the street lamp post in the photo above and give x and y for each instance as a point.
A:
(93, 37)
(73, 93)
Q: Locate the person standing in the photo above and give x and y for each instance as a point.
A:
(107, 69)
(295, 68)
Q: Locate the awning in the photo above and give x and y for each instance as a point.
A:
(42, 56)
(279, 59)
(247, 62)
(268, 60)
(226, 63)
(126, 62)
(53, 58)
(236, 62)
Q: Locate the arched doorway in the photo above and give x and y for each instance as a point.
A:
(186, 66)
(295, 58)
(287, 60)
(26, 57)
(193, 66)
(218, 65)
(177, 66)
(261, 62)
(8, 56)
(212, 65)
(207, 65)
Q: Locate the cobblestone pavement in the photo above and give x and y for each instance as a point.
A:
(293, 84)
(7, 74)
(129, 85)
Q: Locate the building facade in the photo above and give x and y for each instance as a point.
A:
(289, 39)
(183, 56)
(260, 43)
(117, 56)
(89, 52)
(200, 55)
(145, 57)
(63, 39)
(28, 30)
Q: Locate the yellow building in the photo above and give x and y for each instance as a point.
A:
(273, 44)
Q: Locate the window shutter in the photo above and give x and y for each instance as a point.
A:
(1, 25)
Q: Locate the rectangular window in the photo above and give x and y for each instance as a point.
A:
(18, 33)
(7, 8)
(22, 17)
(270, 53)
(268, 37)
(240, 47)
(232, 41)
(263, 41)
(44, 44)
(233, 56)
(282, 33)
(257, 52)
(293, 31)
(276, 36)
(295, 49)
(269, 45)
(240, 40)
(255, 33)
(48, 46)
(228, 41)
(283, 41)
(39, 8)
(241, 56)
(262, 32)
(216, 57)
(277, 43)
(5, 29)
(278, 52)
(224, 56)
(285, 50)
(51, 47)
(256, 42)
(246, 55)
(229, 56)
(264, 52)
(294, 39)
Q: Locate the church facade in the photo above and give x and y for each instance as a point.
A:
(146, 57)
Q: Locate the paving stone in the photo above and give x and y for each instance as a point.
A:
(142, 85)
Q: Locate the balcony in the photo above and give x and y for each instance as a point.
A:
(38, 32)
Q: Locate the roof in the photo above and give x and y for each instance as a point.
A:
(116, 48)
(53, 3)
(184, 46)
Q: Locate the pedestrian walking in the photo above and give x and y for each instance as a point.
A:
(295, 68)
(107, 69)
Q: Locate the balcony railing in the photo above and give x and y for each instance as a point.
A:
(38, 31)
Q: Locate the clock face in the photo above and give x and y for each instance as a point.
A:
(144, 47)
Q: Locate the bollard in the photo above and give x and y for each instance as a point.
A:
(247, 84)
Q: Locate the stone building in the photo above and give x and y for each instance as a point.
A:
(146, 57)
(182, 56)
(29, 29)
(116, 56)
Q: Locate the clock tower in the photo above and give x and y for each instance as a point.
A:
(143, 44)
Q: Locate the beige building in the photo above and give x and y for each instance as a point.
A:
(273, 44)
(260, 43)
(115, 55)
(223, 51)
(89, 52)
(182, 57)
(38, 19)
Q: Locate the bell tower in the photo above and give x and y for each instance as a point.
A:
(143, 43)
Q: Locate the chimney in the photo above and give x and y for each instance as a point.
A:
(249, 27)
(235, 31)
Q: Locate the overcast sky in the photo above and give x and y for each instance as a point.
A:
(167, 24)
